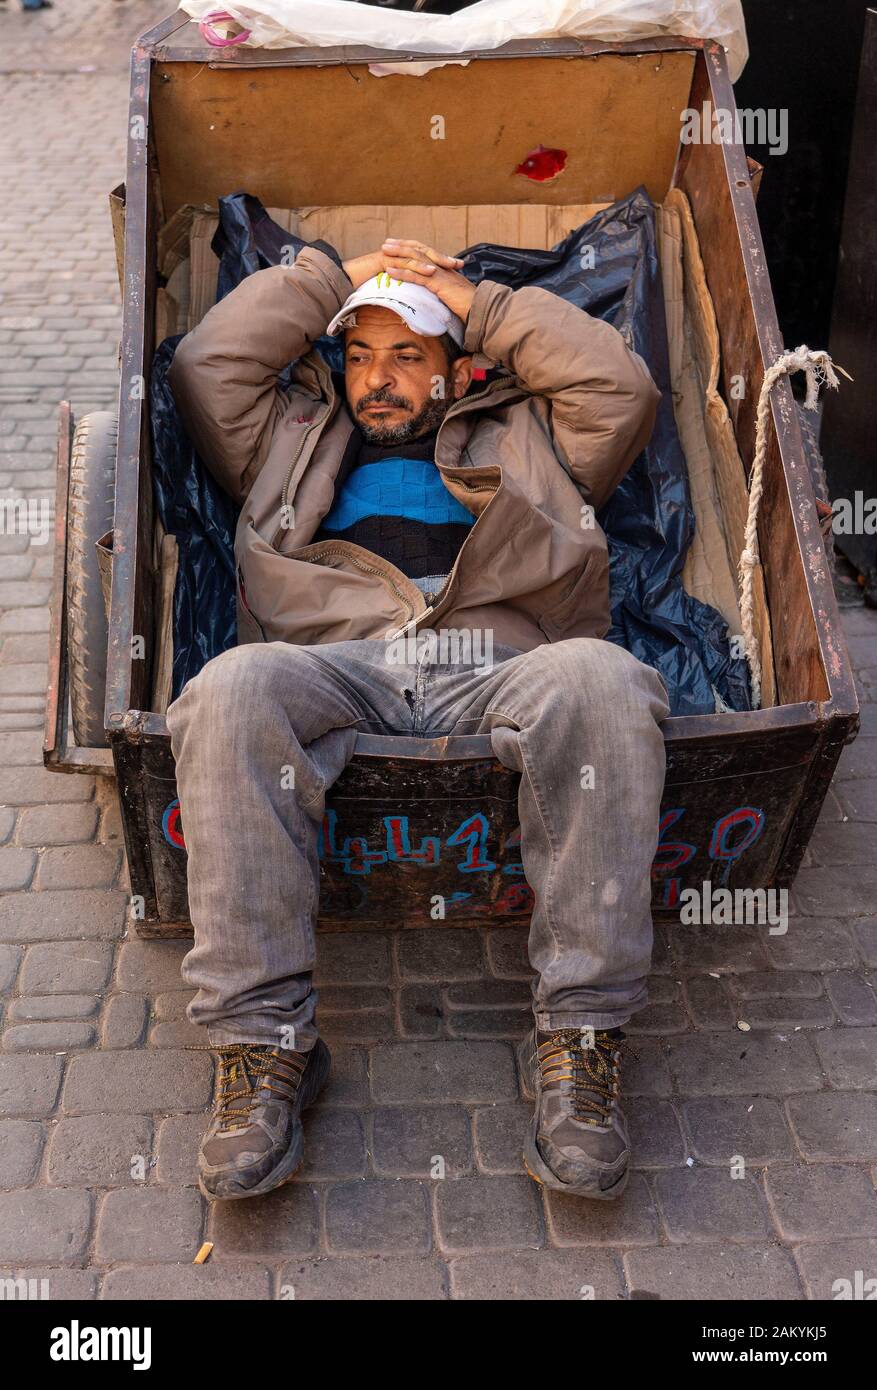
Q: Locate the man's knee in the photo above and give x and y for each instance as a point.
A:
(591, 672)
(250, 676)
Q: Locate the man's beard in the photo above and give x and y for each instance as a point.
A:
(426, 421)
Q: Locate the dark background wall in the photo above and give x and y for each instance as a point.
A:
(804, 55)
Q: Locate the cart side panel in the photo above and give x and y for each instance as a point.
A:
(428, 840)
(129, 663)
(809, 648)
(302, 135)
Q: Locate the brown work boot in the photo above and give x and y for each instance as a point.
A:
(578, 1140)
(255, 1140)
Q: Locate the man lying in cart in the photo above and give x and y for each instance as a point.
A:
(380, 511)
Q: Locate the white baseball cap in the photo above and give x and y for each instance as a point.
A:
(422, 310)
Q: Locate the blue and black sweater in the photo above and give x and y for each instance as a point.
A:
(391, 500)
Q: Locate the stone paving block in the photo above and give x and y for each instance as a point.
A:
(421, 1011)
(21, 1147)
(69, 823)
(835, 1125)
(736, 1064)
(60, 1285)
(353, 958)
(40, 1223)
(22, 749)
(334, 1146)
(708, 1002)
(537, 1274)
(865, 935)
(656, 1140)
(852, 996)
(706, 1204)
(696, 949)
(187, 1283)
(838, 1270)
(23, 678)
(171, 1007)
(491, 1023)
(822, 1202)
(645, 1070)
(151, 966)
(364, 1278)
(632, 1220)
(55, 1036)
(658, 1019)
(341, 999)
(348, 1079)
(407, 1141)
(721, 1271)
(27, 620)
(34, 786)
(495, 1213)
(124, 1021)
(723, 1127)
(283, 1223)
(8, 816)
(370, 1027)
(487, 993)
(16, 868)
(500, 1131)
(449, 953)
(24, 647)
(10, 957)
(78, 866)
(859, 799)
(66, 967)
(133, 1083)
(442, 1071)
(106, 1151)
(64, 915)
(177, 1144)
(48, 1007)
(29, 1085)
(840, 891)
(816, 944)
(506, 952)
(24, 593)
(774, 984)
(379, 1215)
(141, 1224)
(784, 1013)
(845, 842)
(849, 1056)
(178, 1034)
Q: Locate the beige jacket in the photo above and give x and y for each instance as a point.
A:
(529, 455)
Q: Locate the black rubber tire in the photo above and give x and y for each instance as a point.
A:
(90, 502)
(817, 477)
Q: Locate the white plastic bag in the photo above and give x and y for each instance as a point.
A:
(487, 24)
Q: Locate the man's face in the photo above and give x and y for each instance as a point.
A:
(399, 384)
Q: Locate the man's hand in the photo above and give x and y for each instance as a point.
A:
(421, 265)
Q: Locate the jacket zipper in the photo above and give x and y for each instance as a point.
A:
(369, 569)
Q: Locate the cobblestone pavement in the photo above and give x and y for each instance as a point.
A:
(94, 1066)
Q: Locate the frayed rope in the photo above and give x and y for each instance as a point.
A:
(820, 371)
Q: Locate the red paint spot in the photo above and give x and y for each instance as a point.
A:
(542, 164)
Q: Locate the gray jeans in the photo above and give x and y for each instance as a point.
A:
(587, 837)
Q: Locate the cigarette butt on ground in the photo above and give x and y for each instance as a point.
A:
(204, 1253)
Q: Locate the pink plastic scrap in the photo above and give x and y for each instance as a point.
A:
(208, 33)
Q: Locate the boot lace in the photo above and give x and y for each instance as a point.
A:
(589, 1074)
(247, 1070)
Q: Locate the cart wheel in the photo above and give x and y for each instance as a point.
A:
(818, 479)
(89, 516)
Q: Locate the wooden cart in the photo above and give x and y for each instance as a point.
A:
(412, 819)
